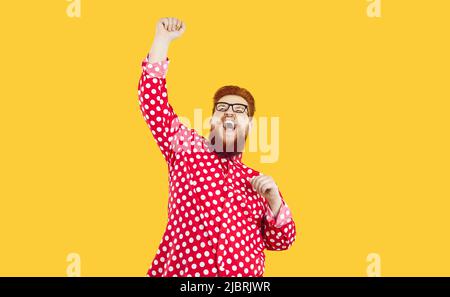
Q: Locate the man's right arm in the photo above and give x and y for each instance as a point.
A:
(159, 50)
(153, 98)
(167, 30)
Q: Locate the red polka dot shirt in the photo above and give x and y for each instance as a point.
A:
(218, 225)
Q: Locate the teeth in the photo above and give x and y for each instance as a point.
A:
(229, 124)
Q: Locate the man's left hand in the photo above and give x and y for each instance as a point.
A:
(266, 187)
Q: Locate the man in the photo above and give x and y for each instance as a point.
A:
(221, 213)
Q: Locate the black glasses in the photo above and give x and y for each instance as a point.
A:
(237, 107)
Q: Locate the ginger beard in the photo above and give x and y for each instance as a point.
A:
(228, 133)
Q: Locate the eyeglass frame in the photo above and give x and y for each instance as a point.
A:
(232, 107)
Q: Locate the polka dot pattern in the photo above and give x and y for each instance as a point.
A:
(218, 225)
(283, 217)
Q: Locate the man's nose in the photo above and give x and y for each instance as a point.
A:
(229, 114)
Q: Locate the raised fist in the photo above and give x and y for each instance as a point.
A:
(169, 28)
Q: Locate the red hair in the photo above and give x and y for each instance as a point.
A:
(238, 91)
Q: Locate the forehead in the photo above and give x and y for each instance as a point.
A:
(233, 99)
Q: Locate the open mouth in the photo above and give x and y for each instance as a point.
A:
(229, 125)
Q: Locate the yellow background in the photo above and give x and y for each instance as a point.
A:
(364, 118)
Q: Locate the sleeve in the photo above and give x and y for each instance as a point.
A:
(278, 232)
(156, 109)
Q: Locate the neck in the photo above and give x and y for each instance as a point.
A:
(236, 156)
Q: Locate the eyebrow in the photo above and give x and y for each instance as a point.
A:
(231, 103)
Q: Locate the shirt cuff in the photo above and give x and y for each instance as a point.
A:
(156, 69)
(284, 216)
